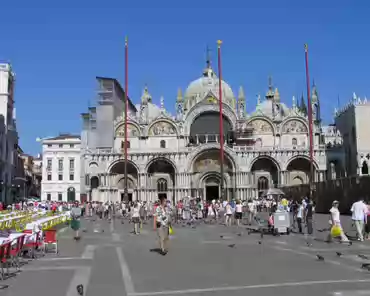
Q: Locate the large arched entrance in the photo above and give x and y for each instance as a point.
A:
(118, 171)
(207, 176)
(161, 177)
(299, 170)
(94, 191)
(265, 172)
(206, 128)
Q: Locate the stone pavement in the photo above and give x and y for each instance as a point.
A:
(109, 260)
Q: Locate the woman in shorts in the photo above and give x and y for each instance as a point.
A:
(238, 212)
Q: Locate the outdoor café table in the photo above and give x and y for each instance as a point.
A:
(12, 238)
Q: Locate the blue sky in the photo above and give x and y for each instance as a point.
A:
(58, 47)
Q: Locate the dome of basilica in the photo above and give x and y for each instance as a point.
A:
(200, 88)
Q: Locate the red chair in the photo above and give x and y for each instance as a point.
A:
(33, 245)
(50, 238)
(16, 252)
(5, 258)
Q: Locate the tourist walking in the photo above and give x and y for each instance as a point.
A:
(335, 223)
(135, 218)
(75, 223)
(238, 212)
(359, 217)
(161, 225)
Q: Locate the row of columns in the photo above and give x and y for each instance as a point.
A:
(184, 180)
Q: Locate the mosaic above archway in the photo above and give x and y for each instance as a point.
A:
(294, 126)
(162, 128)
(260, 126)
(131, 129)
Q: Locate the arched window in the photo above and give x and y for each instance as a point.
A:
(263, 183)
(364, 169)
(163, 144)
(294, 142)
(123, 144)
(162, 185)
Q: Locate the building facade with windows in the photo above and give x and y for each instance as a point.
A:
(8, 135)
(348, 139)
(177, 155)
(61, 168)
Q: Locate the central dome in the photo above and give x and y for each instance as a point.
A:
(200, 88)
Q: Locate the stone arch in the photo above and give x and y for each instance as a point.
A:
(276, 163)
(294, 125)
(93, 164)
(299, 167)
(160, 158)
(316, 167)
(94, 182)
(261, 125)
(122, 161)
(206, 126)
(364, 168)
(199, 152)
(163, 127)
(200, 108)
(132, 128)
(262, 183)
(162, 168)
(267, 167)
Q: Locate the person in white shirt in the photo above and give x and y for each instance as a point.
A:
(300, 213)
(228, 214)
(359, 217)
(136, 218)
(238, 212)
(335, 221)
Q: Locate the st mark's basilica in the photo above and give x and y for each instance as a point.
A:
(178, 155)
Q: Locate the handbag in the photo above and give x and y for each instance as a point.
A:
(336, 231)
(170, 230)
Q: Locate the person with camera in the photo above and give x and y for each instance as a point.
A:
(162, 222)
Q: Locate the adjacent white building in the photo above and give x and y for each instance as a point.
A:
(8, 134)
(61, 168)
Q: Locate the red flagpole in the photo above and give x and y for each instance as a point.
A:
(219, 42)
(310, 127)
(125, 115)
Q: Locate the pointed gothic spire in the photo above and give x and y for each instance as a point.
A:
(270, 92)
(162, 103)
(276, 95)
(179, 95)
(241, 93)
(258, 102)
(302, 106)
(208, 59)
(294, 105)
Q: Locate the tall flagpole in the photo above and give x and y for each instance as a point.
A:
(219, 42)
(125, 116)
(310, 127)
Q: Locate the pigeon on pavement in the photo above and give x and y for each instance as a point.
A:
(339, 254)
(363, 256)
(231, 246)
(320, 258)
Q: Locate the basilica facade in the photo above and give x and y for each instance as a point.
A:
(177, 155)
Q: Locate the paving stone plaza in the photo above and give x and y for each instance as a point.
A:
(206, 260)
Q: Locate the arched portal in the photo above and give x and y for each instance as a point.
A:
(299, 170)
(266, 173)
(206, 168)
(206, 128)
(71, 194)
(262, 184)
(161, 173)
(365, 168)
(94, 191)
(117, 170)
